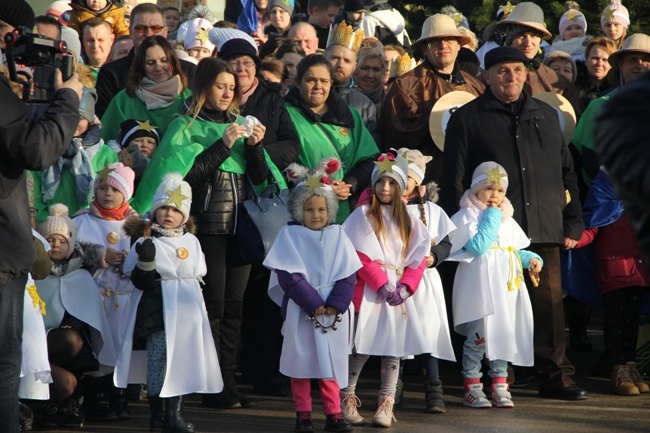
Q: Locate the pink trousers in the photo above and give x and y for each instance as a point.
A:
(329, 392)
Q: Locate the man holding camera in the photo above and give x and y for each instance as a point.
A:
(24, 144)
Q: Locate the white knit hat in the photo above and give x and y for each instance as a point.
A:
(174, 192)
(393, 166)
(118, 176)
(197, 35)
(572, 16)
(615, 12)
(488, 173)
(59, 223)
(220, 36)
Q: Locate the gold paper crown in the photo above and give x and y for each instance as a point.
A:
(401, 65)
(345, 36)
(371, 46)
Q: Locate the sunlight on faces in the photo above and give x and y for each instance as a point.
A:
(97, 5)
(147, 145)
(506, 80)
(271, 77)
(82, 127)
(442, 52)
(343, 61)
(291, 61)
(168, 217)
(355, 17)
(491, 195)
(613, 30)
(221, 93)
(305, 37)
(109, 197)
(527, 43)
(597, 64)
(389, 56)
(315, 87)
(323, 18)
(121, 49)
(280, 19)
(370, 74)
(48, 31)
(384, 189)
(633, 65)
(262, 4)
(147, 20)
(97, 42)
(245, 68)
(573, 31)
(172, 19)
(315, 212)
(410, 190)
(199, 53)
(156, 65)
(564, 68)
(59, 248)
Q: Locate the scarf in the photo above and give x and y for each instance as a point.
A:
(118, 214)
(245, 96)
(469, 200)
(159, 95)
(170, 233)
(76, 160)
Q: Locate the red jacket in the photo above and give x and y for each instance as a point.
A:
(619, 263)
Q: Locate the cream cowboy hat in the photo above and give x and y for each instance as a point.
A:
(442, 111)
(441, 26)
(636, 43)
(529, 15)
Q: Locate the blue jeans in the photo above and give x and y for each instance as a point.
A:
(12, 296)
(474, 351)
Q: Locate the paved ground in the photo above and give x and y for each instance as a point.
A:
(603, 412)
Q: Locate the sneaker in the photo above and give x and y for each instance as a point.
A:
(74, 416)
(303, 423)
(336, 422)
(349, 405)
(475, 397)
(433, 396)
(53, 415)
(384, 415)
(501, 397)
(622, 382)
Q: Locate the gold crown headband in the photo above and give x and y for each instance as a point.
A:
(401, 65)
(345, 36)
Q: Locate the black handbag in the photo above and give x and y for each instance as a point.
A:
(261, 218)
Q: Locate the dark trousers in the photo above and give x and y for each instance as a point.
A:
(621, 323)
(223, 292)
(11, 339)
(554, 369)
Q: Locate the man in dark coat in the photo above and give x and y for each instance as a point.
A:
(506, 125)
(147, 19)
(24, 145)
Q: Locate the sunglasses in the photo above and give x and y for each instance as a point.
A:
(141, 30)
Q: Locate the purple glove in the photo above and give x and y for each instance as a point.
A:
(394, 296)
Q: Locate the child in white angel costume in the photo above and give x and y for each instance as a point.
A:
(314, 268)
(429, 298)
(393, 246)
(167, 314)
(101, 224)
(490, 302)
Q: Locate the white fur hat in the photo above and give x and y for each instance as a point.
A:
(59, 223)
(197, 35)
(174, 192)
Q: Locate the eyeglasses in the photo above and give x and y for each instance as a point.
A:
(141, 30)
(246, 63)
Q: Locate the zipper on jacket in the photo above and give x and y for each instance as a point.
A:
(208, 193)
(234, 193)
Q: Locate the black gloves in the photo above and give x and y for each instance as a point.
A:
(146, 251)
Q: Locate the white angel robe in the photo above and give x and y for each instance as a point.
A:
(192, 363)
(322, 257)
(114, 287)
(382, 329)
(481, 289)
(429, 299)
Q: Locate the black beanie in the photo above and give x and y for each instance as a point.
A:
(132, 129)
(17, 13)
(239, 47)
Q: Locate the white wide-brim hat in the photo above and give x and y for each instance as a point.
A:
(529, 15)
(440, 26)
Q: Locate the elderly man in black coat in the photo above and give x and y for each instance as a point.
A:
(506, 125)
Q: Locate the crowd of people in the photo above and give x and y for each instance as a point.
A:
(134, 173)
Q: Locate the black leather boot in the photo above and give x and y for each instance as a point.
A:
(174, 422)
(157, 413)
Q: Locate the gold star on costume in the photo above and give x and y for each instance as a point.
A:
(494, 176)
(385, 166)
(458, 17)
(176, 197)
(145, 126)
(102, 174)
(202, 35)
(572, 15)
(313, 183)
(507, 8)
(609, 13)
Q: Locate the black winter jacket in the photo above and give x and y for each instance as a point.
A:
(526, 139)
(280, 139)
(217, 194)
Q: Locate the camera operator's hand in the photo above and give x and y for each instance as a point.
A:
(73, 83)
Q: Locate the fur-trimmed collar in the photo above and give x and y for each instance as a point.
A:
(135, 225)
(469, 200)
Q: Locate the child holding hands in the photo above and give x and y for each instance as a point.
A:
(314, 266)
(490, 301)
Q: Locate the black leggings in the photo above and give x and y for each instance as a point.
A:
(621, 323)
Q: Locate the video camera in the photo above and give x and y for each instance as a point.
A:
(29, 49)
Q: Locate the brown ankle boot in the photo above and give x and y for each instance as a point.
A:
(637, 378)
(622, 382)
